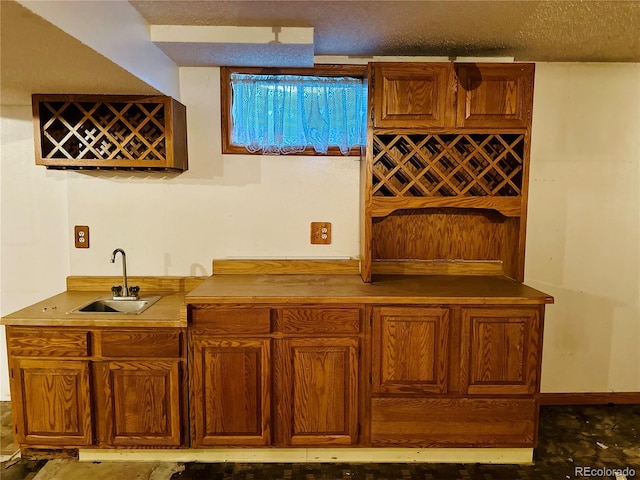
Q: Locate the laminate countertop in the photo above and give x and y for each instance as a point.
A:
(169, 311)
(388, 289)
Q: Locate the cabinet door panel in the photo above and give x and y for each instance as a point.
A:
(230, 392)
(413, 95)
(410, 350)
(142, 405)
(320, 377)
(52, 402)
(494, 95)
(500, 350)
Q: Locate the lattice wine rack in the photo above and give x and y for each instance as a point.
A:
(77, 131)
(447, 165)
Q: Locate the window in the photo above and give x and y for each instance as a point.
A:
(315, 111)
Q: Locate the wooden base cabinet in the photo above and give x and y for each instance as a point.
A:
(500, 351)
(141, 402)
(410, 350)
(97, 387)
(280, 376)
(318, 391)
(455, 376)
(453, 422)
(51, 402)
(230, 392)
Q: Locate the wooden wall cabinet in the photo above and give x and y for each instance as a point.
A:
(262, 376)
(413, 95)
(133, 132)
(446, 196)
(494, 95)
(96, 387)
(455, 376)
(448, 95)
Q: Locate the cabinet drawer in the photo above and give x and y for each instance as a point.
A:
(239, 320)
(450, 422)
(320, 320)
(42, 342)
(140, 344)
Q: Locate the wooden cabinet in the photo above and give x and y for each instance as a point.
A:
(230, 390)
(451, 95)
(110, 132)
(230, 375)
(500, 351)
(97, 387)
(50, 386)
(494, 95)
(413, 95)
(316, 375)
(51, 402)
(455, 376)
(278, 375)
(140, 385)
(410, 350)
(446, 170)
(318, 391)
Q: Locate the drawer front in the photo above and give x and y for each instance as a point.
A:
(227, 319)
(453, 422)
(43, 342)
(138, 343)
(320, 320)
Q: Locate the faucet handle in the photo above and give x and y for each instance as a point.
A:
(133, 291)
(116, 290)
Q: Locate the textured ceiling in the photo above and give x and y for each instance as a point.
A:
(553, 31)
(38, 57)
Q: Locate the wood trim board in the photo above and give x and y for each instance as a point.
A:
(590, 398)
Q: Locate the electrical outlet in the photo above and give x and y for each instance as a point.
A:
(321, 233)
(81, 235)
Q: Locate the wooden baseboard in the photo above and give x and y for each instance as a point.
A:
(590, 398)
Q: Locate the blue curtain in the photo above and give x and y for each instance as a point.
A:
(287, 113)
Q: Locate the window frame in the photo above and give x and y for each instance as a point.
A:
(357, 71)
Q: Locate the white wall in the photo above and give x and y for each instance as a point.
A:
(583, 228)
(223, 206)
(34, 255)
(583, 241)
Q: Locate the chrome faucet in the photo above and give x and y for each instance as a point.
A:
(124, 292)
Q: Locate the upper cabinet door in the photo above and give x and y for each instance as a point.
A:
(493, 95)
(413, 95)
